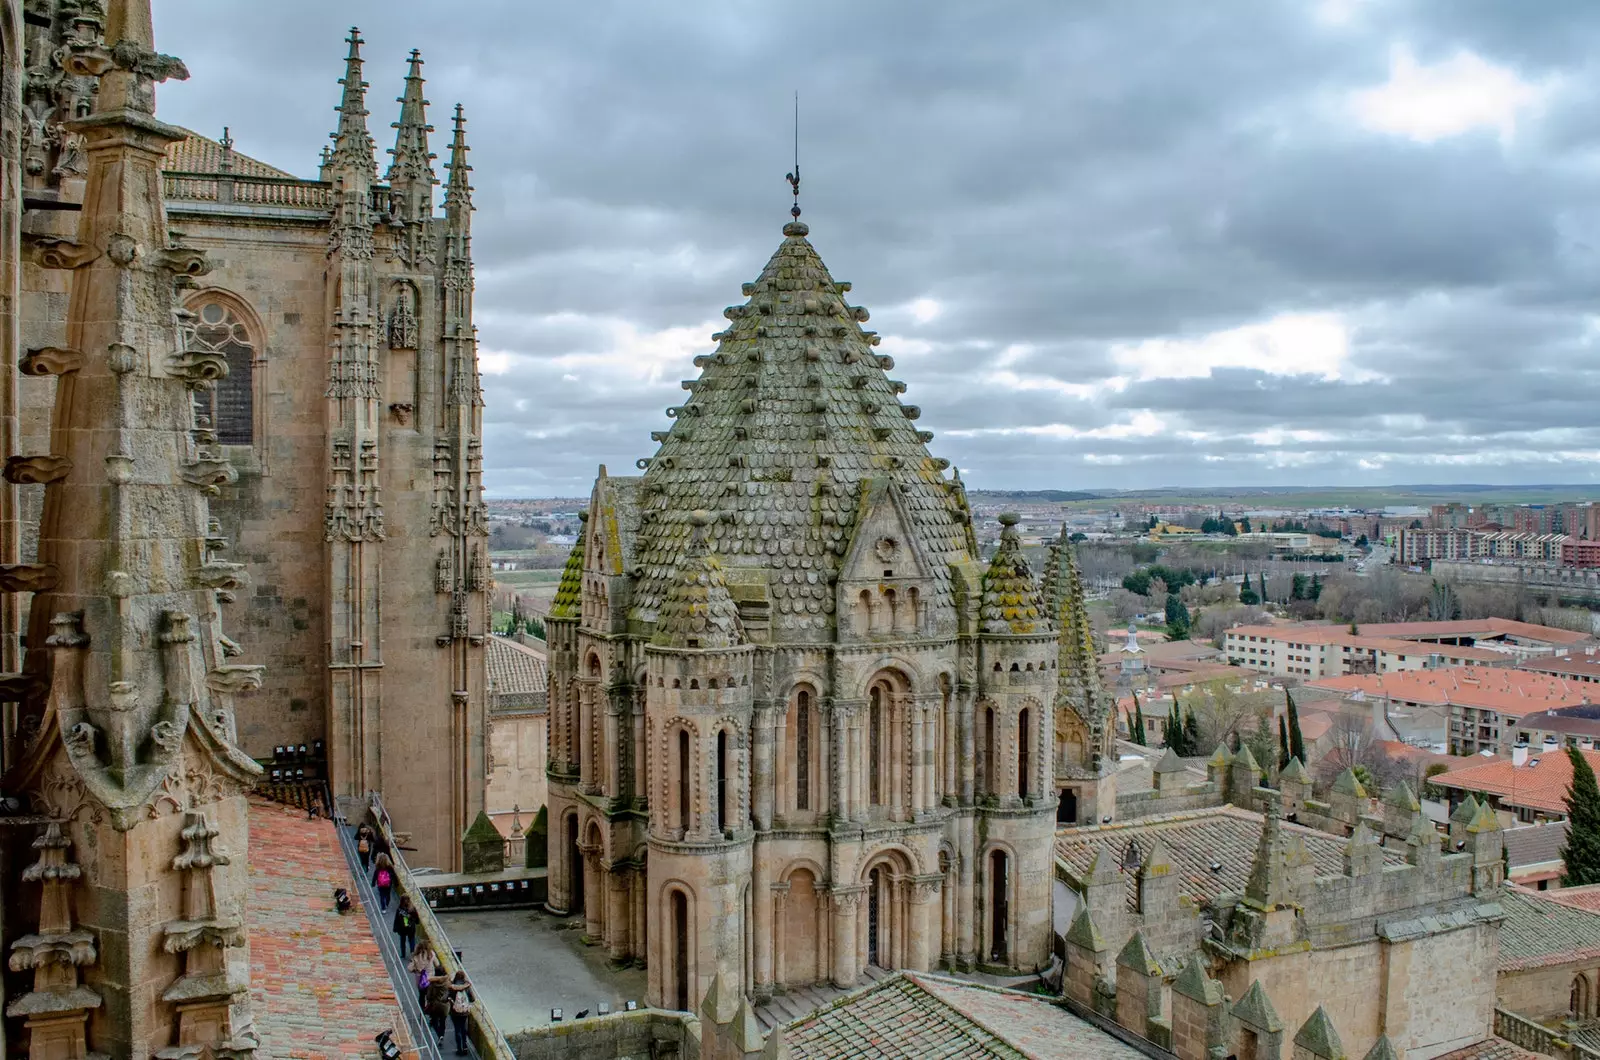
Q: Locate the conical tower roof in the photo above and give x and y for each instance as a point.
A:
(697, 611)
(788, 420)
(1011, 599)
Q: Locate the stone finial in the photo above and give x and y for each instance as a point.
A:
(1138, 957)
(1193, 983)
(1294, 773)
(1083, 934)
(457, 190)
(1255, 1011)
(777, 1047)
(1347, 784)
(1362, 854)
(721, 1003)
(1318, 1039)
(1282, 867)
(1169, 763)
(1401, 797)
(1422, 842)
(352, 144)
(1381, 1050)
(746, 1030)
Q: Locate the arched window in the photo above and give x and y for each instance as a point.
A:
(1022, 753)
(229, 407)
(802, 751)
(722, 781)
(1579, 999)
(999, 892)
(683, 779)
(680, 950)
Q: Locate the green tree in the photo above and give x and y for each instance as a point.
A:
(1364, 776)
(1247, 595)
(1191, 733)
(1297, 743)
(1582, 852)
(1078, 536)
(1177, 618)
(1361, 542)
(1299, 586)
(517, 617)
(1430, 790)
(1316, 587)
(1244, 525)
(1262, 590)
(1137, 582)
(535, 627)
(1136, 726)
(1283, 744)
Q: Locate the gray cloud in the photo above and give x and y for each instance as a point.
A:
(1064, 184)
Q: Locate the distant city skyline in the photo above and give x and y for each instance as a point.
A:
(1121, 245)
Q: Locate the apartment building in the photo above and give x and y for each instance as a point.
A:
(1309, 652)
(1483, 706)
(1459, 543)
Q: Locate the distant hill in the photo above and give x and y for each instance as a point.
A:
(1038, 496)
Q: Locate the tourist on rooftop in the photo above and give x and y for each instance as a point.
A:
(421, 968)
(460, 1006)
(383, 880)
(437, 1005)
(405, 925)
(364, 846)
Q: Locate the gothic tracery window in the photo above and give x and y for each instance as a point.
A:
(403, 319)
(230, 405)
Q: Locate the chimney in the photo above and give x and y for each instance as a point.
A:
(1519, 756)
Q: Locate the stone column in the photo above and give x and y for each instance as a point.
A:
(780, 902)
(966, 914)
(608, 747)
(639, 944)
(774, 764)
(918, 765)
(616, 926)
(858, 765)
(596, 883)
(761, 915)
(969, 751)
(839, 723)
(846, 902)
(923, 891)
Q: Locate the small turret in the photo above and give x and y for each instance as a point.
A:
(697, 611)
(1011, 599)
(410, 175)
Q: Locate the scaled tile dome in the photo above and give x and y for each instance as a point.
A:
(786, 420)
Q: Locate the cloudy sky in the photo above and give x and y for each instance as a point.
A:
(1110, 243)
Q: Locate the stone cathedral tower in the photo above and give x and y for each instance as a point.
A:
(350, 417)
(798, 727)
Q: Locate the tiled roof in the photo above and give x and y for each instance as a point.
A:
(1586, 897)
(518, 675)
(788, 420)
(1535, 844)
(1477, 628)
(696, 610)
(1340, 636)
(201, 154)
(1492, 1049)
(1510, 692)
(1578, 665)
(317, 983)
(1227, 835)
(921, 1017)
(569, 593)
(1540, 784)
(1568, 722)
(1538, 932)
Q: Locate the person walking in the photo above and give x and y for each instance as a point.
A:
(405, 925)
(437, 1002)
(383, 880)
(364, 847)
(460, 1006)
(421, 968)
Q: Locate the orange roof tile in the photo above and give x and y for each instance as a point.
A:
(1510, 692)
(1540, 784)
(1475, 627)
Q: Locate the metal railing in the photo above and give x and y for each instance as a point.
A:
(487, 1041)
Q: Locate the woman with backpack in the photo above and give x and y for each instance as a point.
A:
(460, 1006)
(421, 968)
(436, 1001)
(364, 846)
(383, 880)
(405, 925)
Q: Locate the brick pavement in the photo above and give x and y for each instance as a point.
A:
(317, 980)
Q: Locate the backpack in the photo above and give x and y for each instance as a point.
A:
(362, 845)
(424, 979)
(384, 879)
(460, 1002)
(404, 920)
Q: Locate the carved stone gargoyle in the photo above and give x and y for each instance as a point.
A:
(208, 475)
(28, 577)
(199, 369)
(49, 252)
(40, 469)
(50, 360)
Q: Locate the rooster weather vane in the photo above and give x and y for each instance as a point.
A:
(794, 177)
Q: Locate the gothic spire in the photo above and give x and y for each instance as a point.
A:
(410, 175)
(352, 144)
(457, 192)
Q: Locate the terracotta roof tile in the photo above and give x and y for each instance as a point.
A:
(1535, 844)
(919, 1017)
(305, 956)
(1538, 931)
(1510, 692)
(1586, 897)
(201, 154)
(1492, 1049)
(1540, 784)
(1227, 835)
(518, 675)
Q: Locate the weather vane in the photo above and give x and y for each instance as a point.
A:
(794, 178)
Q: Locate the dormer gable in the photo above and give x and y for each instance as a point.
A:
(885, 580)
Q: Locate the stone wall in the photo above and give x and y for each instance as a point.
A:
(647, 1034)
(1544, 993)
(517, 754)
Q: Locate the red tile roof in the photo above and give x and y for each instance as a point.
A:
(1477, 628)
(1509, 692)
(1540, 785)
(317, 984)
(1586, 897)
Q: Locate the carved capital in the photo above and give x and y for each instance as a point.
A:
(43, 468)
(50, 360)
(28, 577)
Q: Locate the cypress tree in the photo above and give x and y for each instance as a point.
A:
(1262, 592)
(1283, 744)
(1191, 733)
(1582, 852)
(1137, 733)
(1297, 743)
